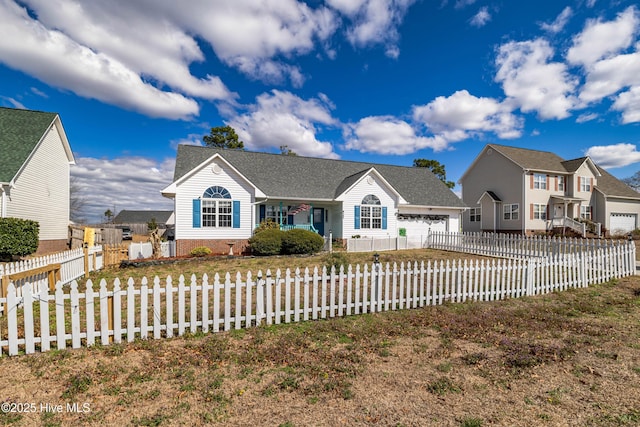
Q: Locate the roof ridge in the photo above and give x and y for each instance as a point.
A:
(298, 156)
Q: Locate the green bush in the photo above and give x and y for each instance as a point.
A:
(267, 242)
(200, 251)
(336, 259)
(18, 237)
(268, 224)
(298, 241)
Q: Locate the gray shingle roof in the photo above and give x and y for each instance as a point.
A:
(293, 177)
(20, 132)
(532, 159)
(547, 161)
(612, 186)
(141, 217)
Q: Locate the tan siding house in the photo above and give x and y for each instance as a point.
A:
(511, 189)
(35, 160)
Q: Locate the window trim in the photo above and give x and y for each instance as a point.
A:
(585, 184)
(218, 204)
(588, 214)
(475, 214)
(539, 181)
(509, 213)
(540, 211)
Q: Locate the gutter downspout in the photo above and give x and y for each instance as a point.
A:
(3, 211)
(525, 209)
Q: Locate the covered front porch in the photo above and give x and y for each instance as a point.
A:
(566, 212)
(291, 215)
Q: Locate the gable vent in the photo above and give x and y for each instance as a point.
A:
(216, 169)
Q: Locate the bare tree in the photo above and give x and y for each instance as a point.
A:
(77, 201)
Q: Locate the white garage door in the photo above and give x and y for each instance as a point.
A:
(417, 230)
(622, 223)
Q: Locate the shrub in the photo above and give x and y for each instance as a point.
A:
(267, 242)
(18, 237)
(200, 251)
(336, 259)
(268, 224)
(298, 241)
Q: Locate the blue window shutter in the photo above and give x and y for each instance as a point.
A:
(196, 213)
(236, 214)
(263, 213)
(384, 217)
(356, 217)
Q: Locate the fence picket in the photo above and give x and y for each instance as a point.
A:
(565, 264)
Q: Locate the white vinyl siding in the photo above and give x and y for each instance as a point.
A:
(41, 191)
(194, 188)
(354, 196)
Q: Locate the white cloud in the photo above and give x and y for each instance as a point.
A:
(281, 118)
(481, 18)
(388, 135)
(614, 156)
(586, 117)
(609, 76)
(38, 92)
(460, 4)
(56, 59)
(629, 103)
(465, 114)
(559, 23)
(255, 37)
(532, 82)
(12, 102)
(600, 39)
(374, 22)
(124, 182)
(162, 51)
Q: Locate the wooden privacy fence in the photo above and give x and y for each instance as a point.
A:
(516, 245)
(165, 308)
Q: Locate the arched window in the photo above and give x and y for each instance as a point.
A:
(370, 212)
(216, 212)
(216, 192)
(370, 199)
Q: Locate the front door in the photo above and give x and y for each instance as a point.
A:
(318, 220)
(559, 211)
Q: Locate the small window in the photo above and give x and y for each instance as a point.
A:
(585, 184)
(539, 181)
(561, 183)
(474, 214)
(539, 211)
(511, 211)
(585, 212)
(370, 200)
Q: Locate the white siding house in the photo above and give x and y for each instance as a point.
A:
(35, 160)
(330, 197)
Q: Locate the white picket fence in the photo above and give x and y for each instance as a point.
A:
(72, 266)
(517, 245)
(165, 309)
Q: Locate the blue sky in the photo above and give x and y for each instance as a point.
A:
(383, 81)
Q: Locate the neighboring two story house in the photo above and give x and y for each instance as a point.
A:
(35, 159)
(511, 189)
(220, 196)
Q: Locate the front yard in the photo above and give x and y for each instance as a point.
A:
(567, 358)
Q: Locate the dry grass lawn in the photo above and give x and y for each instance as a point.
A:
(562, 359)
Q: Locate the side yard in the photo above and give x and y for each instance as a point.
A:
(565, 358)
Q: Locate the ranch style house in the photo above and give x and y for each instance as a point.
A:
(220, 196)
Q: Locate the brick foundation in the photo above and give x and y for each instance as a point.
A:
(219, 247)
(51, 246)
